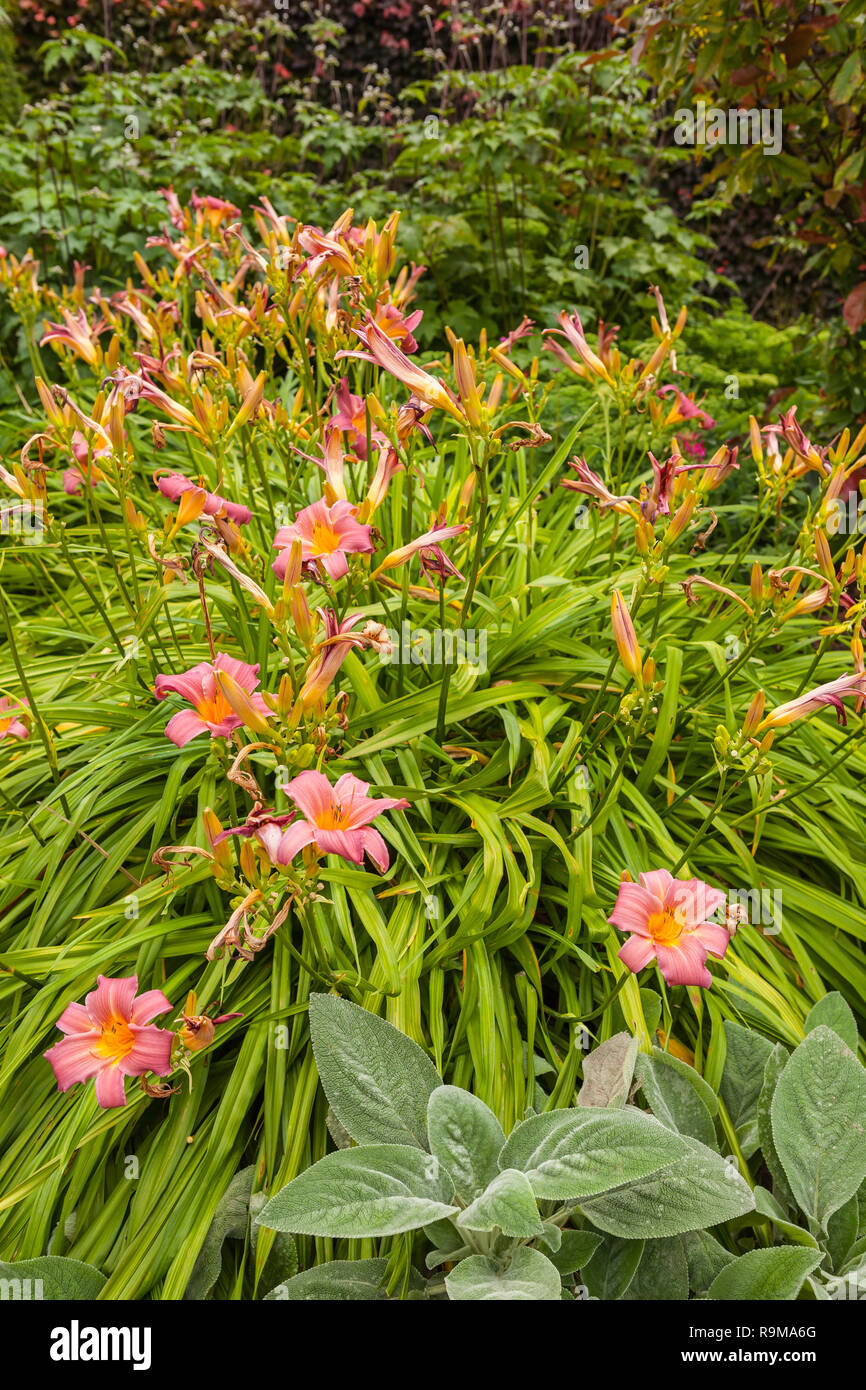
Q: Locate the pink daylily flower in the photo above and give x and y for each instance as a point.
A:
(523, 330)
(331, 653)
(399, 328)
(667, 918)
(75, 332)
(572, 330)
(387, 465)
(790, 429)
(175, 210)
(211, 710)
(384, 353)
(10, 725)
(324, 249)
(174, 485)
(110, 1036)
(336, 819)
(351, 418)
(830, 693)
(327, 535)
(685, 407)
(429, 541)
(591, 485)
(85, 470)
(218, 206)
(436, 566)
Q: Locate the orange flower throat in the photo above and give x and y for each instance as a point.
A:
(117, 1040)
(325, 539)
(664, 928)
(215, 710)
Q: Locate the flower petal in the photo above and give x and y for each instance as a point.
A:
(657, 881)
(185, 725)
(712, 936)
(293, 839)
(76, 1019)
(72, 1060)
(148, 1005)
(637, 952)
(376, 848)
(112, 998)
(685, 963)
(188, 683)
(633, 908)
(311, 793)
(151, 1051)
(246, 676)
(109, 1088)
(349, 844)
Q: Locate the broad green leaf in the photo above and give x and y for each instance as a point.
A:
(376, 1190)
(842, 1232)
(833, 1012)
(230, 1219)
(698, 1190)
(508, 1203)
(766, 1205)
(819, 1123)
(607, 1072)
(677, 1095)
(527, 1277)
(377, 1080)
(339, 1281)
(662, 1275)
(571, 1154)
(847, 80)
(610, 1271)
(51, 1278)
(466, 1137)
(776, 1274)
(576, 1250)
(776, 1063)
(745, 1060)
(705, 1258)
(551, 1237)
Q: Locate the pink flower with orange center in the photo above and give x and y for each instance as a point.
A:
(175, 485)
(331, 652)
(382, 351)
(110, 1036)
(10, 725)
(397, 327)
(336, 819)
(327, 535)
(76, 333)
(667, 918)
(428, 542)
(830, 693)
(351, 418)
(211, 710)
(684, 408)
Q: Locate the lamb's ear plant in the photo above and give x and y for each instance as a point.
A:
(797, 1125)
(598, 1201)
(512, 1218)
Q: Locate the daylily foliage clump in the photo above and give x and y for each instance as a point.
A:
(269, 525)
